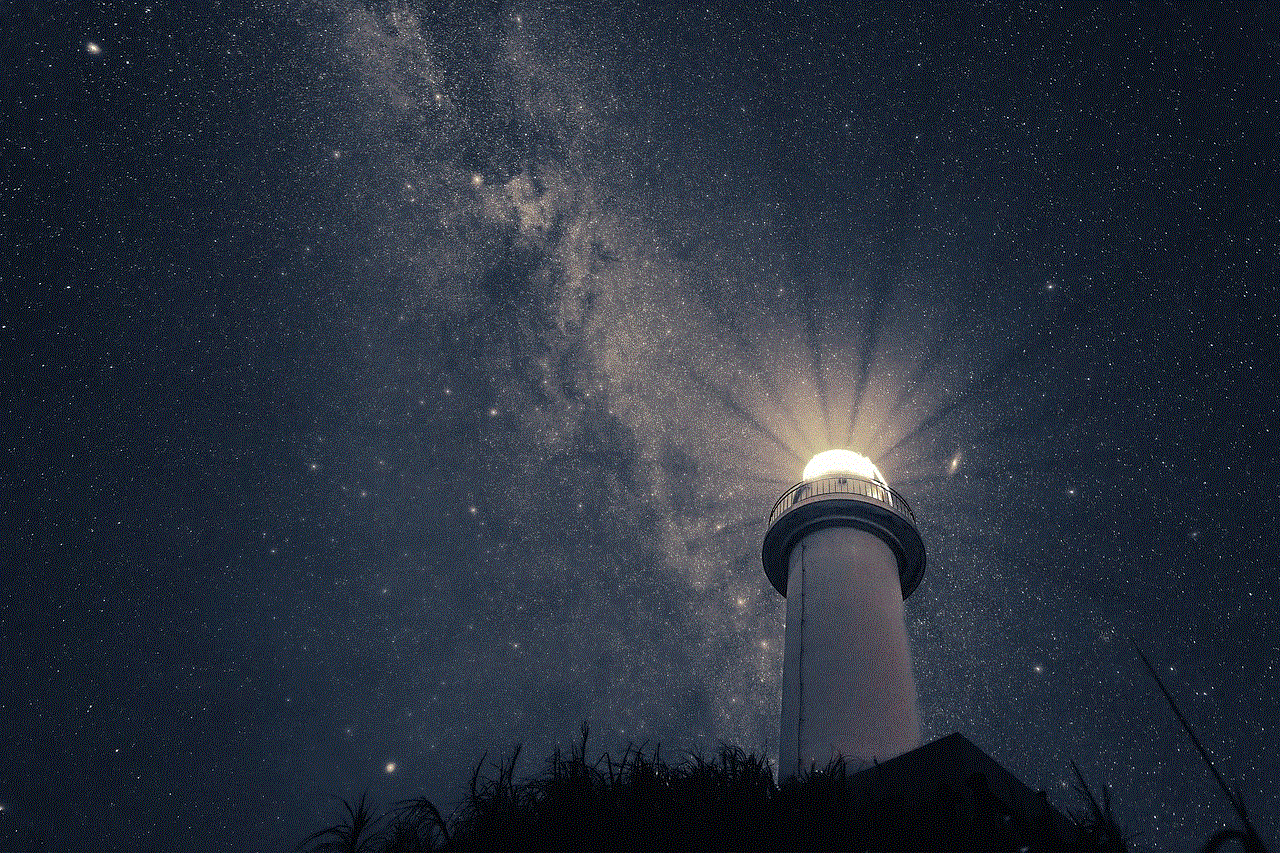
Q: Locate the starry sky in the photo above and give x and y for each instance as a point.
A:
(385, 384)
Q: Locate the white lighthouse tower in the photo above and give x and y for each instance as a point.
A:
(844, 549)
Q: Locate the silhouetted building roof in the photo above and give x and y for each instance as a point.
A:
(950, 795)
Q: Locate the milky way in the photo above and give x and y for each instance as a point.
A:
(456, 358)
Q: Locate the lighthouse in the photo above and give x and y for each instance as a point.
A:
(844, 550)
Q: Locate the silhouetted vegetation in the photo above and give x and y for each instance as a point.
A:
(731, 801)
(1247, 834)
(1099, 821)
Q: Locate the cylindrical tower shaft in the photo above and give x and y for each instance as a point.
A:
(847, 682)
(844, 549)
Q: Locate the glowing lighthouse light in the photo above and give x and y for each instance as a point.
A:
(844, 549)
(828, 463)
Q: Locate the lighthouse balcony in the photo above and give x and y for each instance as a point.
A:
(841, 487)
(849, 501)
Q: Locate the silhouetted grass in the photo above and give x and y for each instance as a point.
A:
(1099, 821)
(639, 802)
(1247, 834)
(357, 834)
(731, 802)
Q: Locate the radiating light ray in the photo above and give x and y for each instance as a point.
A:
(726, 399)
(804, 281)
(748, 352)
(914, 482)
(913, 384)
(748, 320)
(755, 475)
(1067, 315)
(751, 454)
(986, 382)
(877, 297)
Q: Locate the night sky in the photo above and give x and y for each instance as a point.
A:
(388, 384)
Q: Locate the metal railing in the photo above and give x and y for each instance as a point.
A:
(838, 486)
